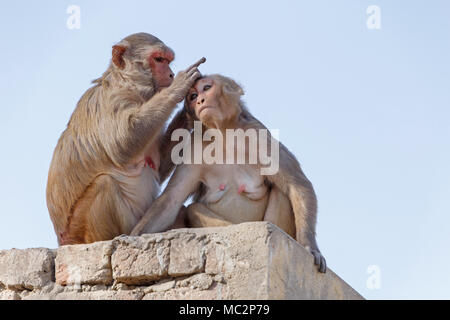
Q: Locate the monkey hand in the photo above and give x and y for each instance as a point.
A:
(184, 80)
(319, 260)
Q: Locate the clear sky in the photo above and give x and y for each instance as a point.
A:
(367, 113)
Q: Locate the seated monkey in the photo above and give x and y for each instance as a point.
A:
(228, 193)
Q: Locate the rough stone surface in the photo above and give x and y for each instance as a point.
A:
(200, 281)
(139, 261)
(292, 267)
(97, 295)
(160, 287)
(246, 261)
(186, 255)
(9, 295)
(84, 264)
(26, 269)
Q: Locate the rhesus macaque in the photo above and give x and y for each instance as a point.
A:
(108, 163)
(226, 194)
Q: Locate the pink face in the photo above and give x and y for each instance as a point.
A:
(203, 99)
(159, 61)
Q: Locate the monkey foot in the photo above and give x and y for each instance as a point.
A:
(319, 260)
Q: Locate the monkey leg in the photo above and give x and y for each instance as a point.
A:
(198, 216)
(101, 214)
(180, 222)
(279, 211)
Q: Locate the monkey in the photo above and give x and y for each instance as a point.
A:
(225, 194)
(108, 163)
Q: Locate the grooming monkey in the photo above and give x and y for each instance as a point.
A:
(225, 194)
(108, 163)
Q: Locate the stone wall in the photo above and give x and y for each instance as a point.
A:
(246, 261)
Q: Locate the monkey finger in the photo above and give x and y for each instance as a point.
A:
(323, 265)
(319, 260)
(316, 255)
(316, 258)
(195, 76)
(195, 65)
(191, 72)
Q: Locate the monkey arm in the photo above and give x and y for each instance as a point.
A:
(293, 183)
(291, 180)
(166, 144)
(127, 129)
(149, 119)
(279, 211)
(161, 105)
(137, 126)
(164, 210)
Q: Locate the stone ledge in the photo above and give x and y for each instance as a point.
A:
(247, 261)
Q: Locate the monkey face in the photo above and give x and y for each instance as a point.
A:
(159, 61)
(203, 99)
(215, 101)
(145, 50)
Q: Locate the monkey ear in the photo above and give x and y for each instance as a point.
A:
(190, 115)
(117, 55)
(232, 88)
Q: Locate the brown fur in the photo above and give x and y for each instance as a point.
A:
(290, 201)
(97, 187)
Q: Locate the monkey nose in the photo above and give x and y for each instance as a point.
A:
(201, 101)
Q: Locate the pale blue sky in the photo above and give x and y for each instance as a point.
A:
(367, 112)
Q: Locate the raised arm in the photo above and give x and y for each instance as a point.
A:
(162, 104)
(164, 210)
(166, 144)
(132, 127)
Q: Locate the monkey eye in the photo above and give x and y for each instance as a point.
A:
(193, 97)
(206, 87)
(159, 59)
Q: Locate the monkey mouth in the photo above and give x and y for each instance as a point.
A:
(204, 108)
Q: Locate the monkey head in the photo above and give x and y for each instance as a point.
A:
(215, 101)
(144, 58)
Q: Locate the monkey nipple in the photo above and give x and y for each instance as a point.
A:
(241, 188)
(222, 186)
(149, 162)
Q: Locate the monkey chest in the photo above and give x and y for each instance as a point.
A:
(236, 192)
